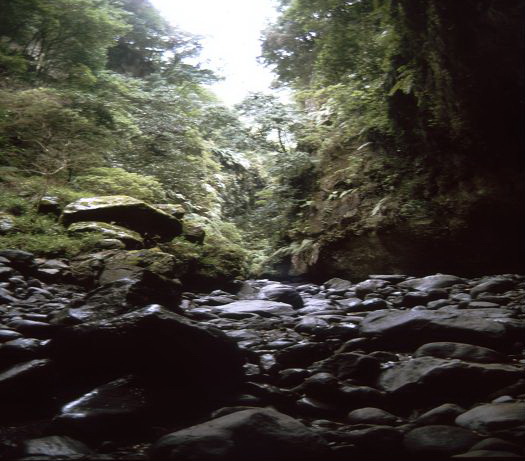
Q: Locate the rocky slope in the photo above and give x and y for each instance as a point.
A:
(394, 367)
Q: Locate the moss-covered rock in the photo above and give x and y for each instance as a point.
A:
(124, 211)
(173, 209)
(132, 240)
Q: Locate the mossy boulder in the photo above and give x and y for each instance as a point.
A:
(131, 239)
(193, 231)
(124, 211)
(173, 209)
(111, 265)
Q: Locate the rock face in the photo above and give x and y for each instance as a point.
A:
(136, 369)
(257, 434)
(126, 212)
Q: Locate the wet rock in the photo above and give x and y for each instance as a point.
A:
(20, 350)
(116, 409)
(316, 408)
(26, 390)
(373, 304)
(454, 325)
(443, 414)
(351, 365)
(415, 298)
(6, 297)
(292, 377)
(392, 278)
(322, 386)
(338, 284)
(493, 417)
(431, 379)
(122, 296)
(311, 325)
(431, 281)
(370, 415)
(496, 444)
(256, 307)
(369, 286)
(465, 352)
(356, 396)
(157, 344)
(351, 304)
(54, 447)
(256, 434)
(493, 285)
(126, 212)
(376, 441)
(132, 240)
(9, 335)
(439, 440)
(302, 355)
(498, 454)
(22, 261)
(33, 329)
(6, 273)
(283, 294)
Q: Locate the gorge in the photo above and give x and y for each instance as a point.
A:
(340, 277)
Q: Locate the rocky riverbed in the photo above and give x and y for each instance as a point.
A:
(393, 367)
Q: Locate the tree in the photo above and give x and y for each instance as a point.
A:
(61, 39)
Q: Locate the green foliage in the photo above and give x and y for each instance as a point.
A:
(116, 181)
(42, 235)
(58, 36)
(46, 132)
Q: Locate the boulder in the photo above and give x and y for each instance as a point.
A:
(50, 204)
(460, 351)
(261, 307)
(22, 261)
(493, 285)
(432, 281)
(112, 265)
(369, 286)
(156, 344)
(132, 240)
(443, 414)
(258, 434)
(124, 211)
(338, 284)
(54, 447)
(487, 328)
(172, 209)
(283, 294)
(370, 415)
(116, 409)
(493, 417)
(117, 298)
(439, 440)
(431, 380)
(193, 231)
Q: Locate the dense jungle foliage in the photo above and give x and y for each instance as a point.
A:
(97, 97)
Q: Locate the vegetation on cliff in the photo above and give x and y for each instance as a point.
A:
(402, 151)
